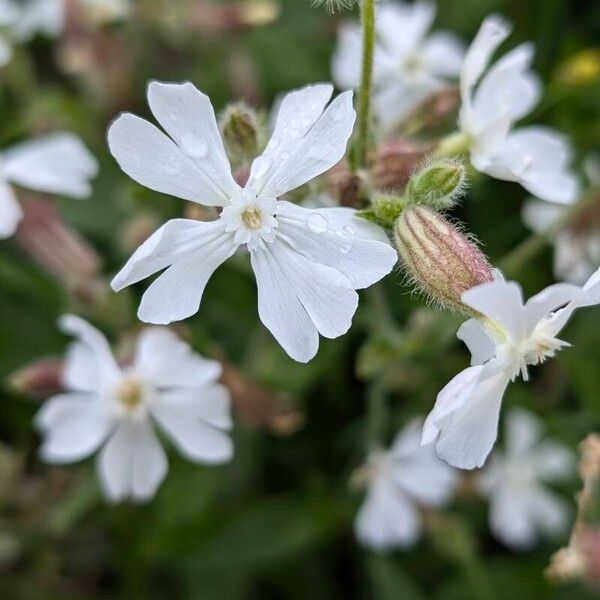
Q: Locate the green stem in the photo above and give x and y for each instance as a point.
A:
(364, 116)
(514, 261)
(377, 414)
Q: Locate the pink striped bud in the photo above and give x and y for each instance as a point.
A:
(441, 260)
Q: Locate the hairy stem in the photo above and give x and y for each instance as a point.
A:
(364, 115)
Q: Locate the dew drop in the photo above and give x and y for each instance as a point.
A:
(285, 155)
(194, 146)
(174, 116)
(317, 223)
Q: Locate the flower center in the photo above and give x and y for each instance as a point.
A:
(252, 217)
(534, 351)
(130, 393)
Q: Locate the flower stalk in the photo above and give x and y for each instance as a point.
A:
(364, 114)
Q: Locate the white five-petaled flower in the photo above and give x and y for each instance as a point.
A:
(521, 508)
(308, 263)
(399, 480)
(509, 337)
(409, 65)
(56, 164)
(493, 101)
(116, 408)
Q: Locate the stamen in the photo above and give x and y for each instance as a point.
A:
(252, 217)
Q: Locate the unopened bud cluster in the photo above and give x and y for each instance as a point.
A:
(440, 260)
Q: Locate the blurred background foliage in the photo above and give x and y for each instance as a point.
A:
(277, 522)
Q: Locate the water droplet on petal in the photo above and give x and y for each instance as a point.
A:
(317, 223)
(194, 146)
(285, 155)
(173, 116)
(347, 229)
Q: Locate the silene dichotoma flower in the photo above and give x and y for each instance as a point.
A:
(399, 481)
(116, 409)
(521, 508)
(56, 164)
(409, 64)
(492, 101)
(510, 336)
(308, 262)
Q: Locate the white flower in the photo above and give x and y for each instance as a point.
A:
(399, 480)
(38, 16)
(576, 253)
(56, 164)
(116, 408)
(510, 337)
(308, 263)
(521, 507)
(536, 157)
(409, 65)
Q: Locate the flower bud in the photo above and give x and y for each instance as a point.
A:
(438, 184)
(241, 131)
(441, 260)
(41, 378)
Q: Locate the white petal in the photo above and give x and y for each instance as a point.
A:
(401, 26)
(551, 513)
(150, 157)
(195, 439)
(325, 293)
(478, 341)
(337, 238)
(6, 52)
(175, 240)
(509, 86)
(346, 62)
(90, 364)
(493, 31)
(592, 288)
(305, 154)
(450, 399)
(538, 158)
(501, 301)
(576, 257)
(548, 301)
(166, 361)
(443, 52)
(187, 115)
(395, 102)
(466, 416)
(73, 427)
(177, 293)
(43, 16)
(539, 215)
(510, 519)
(58, 164)
(10, 211)
(281, 311)
(554, 462)
(133, 463)
(523, 431)
(211, 404)
(419, 471)
(387, 519)
(297, 112)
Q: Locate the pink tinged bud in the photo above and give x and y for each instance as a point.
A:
(41, 378)
(439, 259)
(57, 248)
(395, 161)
